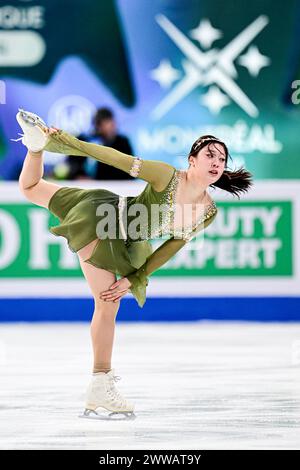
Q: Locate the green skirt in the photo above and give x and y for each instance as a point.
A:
(76, 210)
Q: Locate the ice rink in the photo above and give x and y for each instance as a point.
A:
(201, 385)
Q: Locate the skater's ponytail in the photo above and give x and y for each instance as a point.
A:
(233, 181)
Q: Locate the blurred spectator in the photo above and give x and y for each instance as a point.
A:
(105, 133)
(77, 165)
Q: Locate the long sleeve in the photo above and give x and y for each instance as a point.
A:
(164, 252)
(108, 172)
(157, 173)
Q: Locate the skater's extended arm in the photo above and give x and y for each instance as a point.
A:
(160, 256)
(157, 173)
(138, 280)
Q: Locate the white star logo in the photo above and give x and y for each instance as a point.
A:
(205, 33)
(165, 74)
(253, 60)
(213, 67)
(215, 100)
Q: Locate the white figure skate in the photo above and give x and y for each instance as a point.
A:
(35, 130)
(104, 401)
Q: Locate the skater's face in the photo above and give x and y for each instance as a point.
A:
(210, 162)
(107, 128)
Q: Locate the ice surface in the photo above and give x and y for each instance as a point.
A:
(202, 385)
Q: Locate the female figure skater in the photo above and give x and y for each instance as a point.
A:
(103, 258)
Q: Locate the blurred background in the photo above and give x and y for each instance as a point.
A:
(148, 78)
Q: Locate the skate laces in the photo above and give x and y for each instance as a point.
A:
(116, 378)
(113, 391)
(20, 138)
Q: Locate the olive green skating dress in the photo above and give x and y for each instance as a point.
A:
(76, 209)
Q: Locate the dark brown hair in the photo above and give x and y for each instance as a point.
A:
(101, 115)
(233, 181)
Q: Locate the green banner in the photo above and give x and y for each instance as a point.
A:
(246, 239)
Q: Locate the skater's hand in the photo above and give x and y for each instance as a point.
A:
(117, 290)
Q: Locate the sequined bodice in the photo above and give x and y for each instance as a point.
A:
(167, 199)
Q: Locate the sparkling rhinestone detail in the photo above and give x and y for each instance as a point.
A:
(168, 221)
(188, 233)
(206, 139)
(167, 199)
(136, 166)
(121, 206)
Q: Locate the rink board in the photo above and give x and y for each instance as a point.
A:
(245, 266)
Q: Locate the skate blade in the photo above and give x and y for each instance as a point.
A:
(33, 121)
(108, 415)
